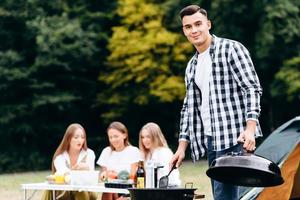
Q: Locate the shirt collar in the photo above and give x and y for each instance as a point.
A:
(82, 154)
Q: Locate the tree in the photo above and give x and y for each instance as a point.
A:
(276, 42)
(286, 89)
(147, 61)
(287, 81)
(50, 58)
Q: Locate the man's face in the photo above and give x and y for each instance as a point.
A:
(196, 28)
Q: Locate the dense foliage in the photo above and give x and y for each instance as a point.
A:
(93, 62)
(49, 62)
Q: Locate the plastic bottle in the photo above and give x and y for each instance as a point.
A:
(140, 175)
(150, 166)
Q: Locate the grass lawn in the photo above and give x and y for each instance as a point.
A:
(196, 173)
(189, 172)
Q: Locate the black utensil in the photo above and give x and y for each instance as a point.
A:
(164, 181)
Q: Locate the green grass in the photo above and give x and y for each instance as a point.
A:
(195, 173)
(10, 184)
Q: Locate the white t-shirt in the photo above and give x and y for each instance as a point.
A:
(162, 157)
(62, 162)
(202, 77)
(119, 160)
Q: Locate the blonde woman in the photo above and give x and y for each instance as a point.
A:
(154, 147)
(72, 154)
(118, 156)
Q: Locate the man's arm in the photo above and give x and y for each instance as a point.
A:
(180, 154)
(183, 137)
(244, 73)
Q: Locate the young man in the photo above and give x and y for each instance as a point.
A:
(222, 102)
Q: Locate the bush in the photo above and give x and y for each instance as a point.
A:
(20, 161)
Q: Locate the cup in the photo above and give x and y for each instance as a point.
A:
(59, 179)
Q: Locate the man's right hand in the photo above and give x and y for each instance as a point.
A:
(179, 155)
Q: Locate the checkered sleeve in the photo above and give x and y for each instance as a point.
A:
(244, 73)
(183, 134)
(183, 131)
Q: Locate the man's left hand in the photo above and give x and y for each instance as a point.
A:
(248, 136)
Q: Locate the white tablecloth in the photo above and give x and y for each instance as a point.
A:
(66, 187)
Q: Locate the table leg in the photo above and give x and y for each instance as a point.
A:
(53, 195)
(24, 195)
(30, 196)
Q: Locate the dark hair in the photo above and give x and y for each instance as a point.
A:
(192, 9)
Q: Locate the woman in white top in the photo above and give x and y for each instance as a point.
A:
(154, 148)
(118, 156)
(73, 154)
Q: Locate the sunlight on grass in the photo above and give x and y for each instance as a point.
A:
(10, 184)
(196, 173)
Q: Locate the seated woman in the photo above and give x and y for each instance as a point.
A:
(72, 154)
(118, 156)
(154, 148)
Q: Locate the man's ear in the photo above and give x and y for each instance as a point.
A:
(209, 24)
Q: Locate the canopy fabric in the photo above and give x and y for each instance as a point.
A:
(288, 170)
(280, 143)
(279, 146)
(296, 189)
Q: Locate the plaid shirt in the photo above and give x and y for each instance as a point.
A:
(234, 98)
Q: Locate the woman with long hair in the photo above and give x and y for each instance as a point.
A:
(72, 154)
(154, 148)
(119, 156)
